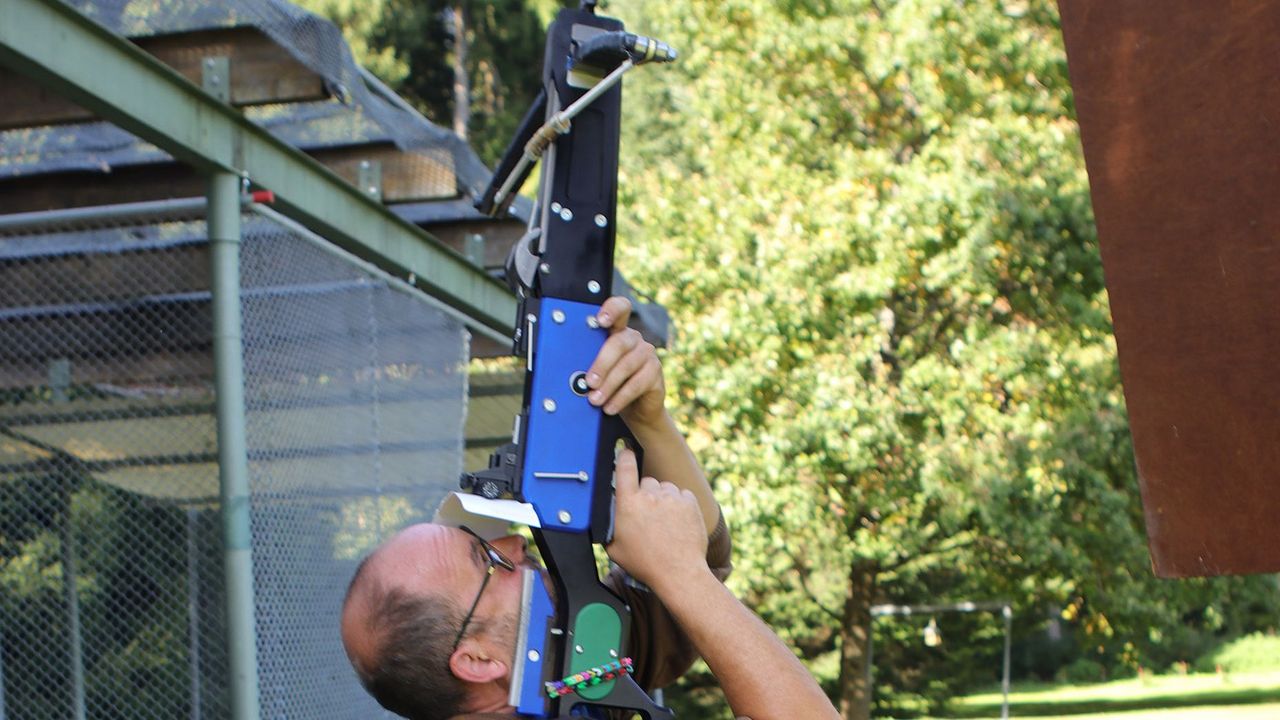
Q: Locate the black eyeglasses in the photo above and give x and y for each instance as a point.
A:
(495, 559)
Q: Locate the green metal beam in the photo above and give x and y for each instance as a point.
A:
(67, 52)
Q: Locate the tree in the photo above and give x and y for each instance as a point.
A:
(413, 47)
(870, 222)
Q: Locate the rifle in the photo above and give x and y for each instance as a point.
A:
(555, 475)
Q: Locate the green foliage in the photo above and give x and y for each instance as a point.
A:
(361, 22)
(410, 46)
(1257, 652)
(1082, 671)
(130, 564)
(871, 224)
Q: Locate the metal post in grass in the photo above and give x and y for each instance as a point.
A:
(233, 465)
(1007, 612)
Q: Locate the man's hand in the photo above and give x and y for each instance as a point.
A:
(626, 379)
(659, 539)
(626, 376)
(658, 531)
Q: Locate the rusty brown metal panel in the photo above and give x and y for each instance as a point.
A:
(1179, 109)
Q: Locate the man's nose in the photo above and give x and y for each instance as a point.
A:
(513, 546)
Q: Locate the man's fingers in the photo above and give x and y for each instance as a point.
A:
(650, 485)
(640, 382)
(614, 312)
(615, 348)
(624, 375)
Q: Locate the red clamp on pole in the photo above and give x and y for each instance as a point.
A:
(262, 197)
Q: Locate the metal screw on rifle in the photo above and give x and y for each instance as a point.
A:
(566, 214)
(545, 268)
(592, 322)
(601, 221)
(555, 207)
(534, 656)
(593, 286)
(613, 653)
(557, 315)
(578, 649)
(549, 405)
(564, 517)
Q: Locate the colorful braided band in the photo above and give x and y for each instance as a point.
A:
(587, 678)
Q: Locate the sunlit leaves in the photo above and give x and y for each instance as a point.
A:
(871, 224)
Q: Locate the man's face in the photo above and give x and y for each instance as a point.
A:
(447, 562)
(497, 613)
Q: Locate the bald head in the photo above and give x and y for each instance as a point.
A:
(417, 562)
(399, 619)
(403, 612)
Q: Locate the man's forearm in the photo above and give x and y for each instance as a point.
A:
(760, 677)
(667, 457)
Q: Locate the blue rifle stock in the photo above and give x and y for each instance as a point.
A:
(561, 457)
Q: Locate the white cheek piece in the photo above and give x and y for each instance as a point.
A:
(490, 519)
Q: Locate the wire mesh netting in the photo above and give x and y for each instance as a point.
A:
(111, 579)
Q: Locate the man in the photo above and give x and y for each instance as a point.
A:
(405, 624)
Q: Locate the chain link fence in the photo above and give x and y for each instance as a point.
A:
(111, 579)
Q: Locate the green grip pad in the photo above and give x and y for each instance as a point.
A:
(597, 629)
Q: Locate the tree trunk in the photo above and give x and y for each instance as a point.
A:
(855, 642)
(461, 81)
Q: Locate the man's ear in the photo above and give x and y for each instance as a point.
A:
(474, 663)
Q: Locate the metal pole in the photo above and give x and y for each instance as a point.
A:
(59, 383)
(871, 641)
(968, 606)
(233, 466)
(73, 613)
(193, 614)
(1, 672)
(1004, 681)
(138, 213)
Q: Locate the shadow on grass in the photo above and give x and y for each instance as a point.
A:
(1243, 696)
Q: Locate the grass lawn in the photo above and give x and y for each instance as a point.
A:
(1175, 697)
(1269, 711)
